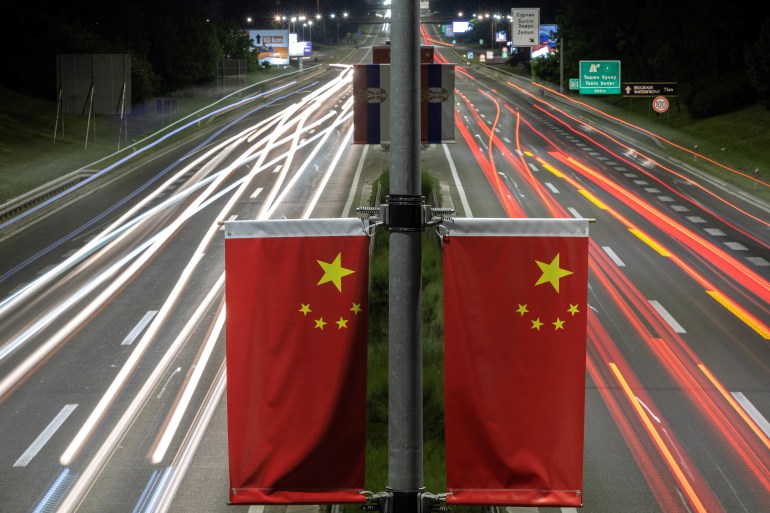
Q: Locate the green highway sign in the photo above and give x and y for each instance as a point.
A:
(574, 84)
(599, 77)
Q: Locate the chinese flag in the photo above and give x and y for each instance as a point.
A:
(515, 301)
(296, 296)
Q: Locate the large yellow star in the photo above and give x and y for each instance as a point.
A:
(551, 272)
(334, 272)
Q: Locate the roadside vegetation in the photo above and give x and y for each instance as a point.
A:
(433, 351)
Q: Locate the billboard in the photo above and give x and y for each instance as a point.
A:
(300, 49)
(458, 27)
(547, 35)
(99, 83)
(272, 45)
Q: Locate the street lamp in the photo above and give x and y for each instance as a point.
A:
(494, 39)
(318, 17)
(337, 30)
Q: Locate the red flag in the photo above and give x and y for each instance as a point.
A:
(515, 300)
(296, 295)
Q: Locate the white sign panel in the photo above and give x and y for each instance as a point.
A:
(525, 26)
(273, 45)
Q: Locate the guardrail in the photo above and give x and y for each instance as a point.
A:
(29, 199)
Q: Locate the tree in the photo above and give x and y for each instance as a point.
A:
(237, 44)
(758, 64)
(547, 68)
(186, 50)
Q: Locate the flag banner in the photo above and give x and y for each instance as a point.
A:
(296, 344)
(515, 301)
(437, 86)
(381, 54)
(371, 103)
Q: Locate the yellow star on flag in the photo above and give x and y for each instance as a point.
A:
(536, 324)
(551, 272)
(334, 272)
(305, 309)
(320, 323)
(356, 308)
(342, 323)
(573, 309)
(522, 309)
(558, 324)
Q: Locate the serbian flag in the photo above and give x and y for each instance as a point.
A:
(437, 86)
(515, 301)
(296, 299)
(371, 103)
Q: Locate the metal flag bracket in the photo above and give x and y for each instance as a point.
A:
(406, 213)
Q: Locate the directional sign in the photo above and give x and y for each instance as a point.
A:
(660, 104)
(525, 26)
(599, 77)
(649, 89)
(574, 84)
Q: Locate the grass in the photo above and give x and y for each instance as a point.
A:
(37, 146)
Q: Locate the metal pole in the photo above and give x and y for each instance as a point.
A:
(561, 64)
(405, 409)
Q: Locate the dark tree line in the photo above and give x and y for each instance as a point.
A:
(719, 52)
(170, 47)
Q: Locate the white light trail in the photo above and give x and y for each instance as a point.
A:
(184, 400)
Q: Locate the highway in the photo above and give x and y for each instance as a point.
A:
(112, 378)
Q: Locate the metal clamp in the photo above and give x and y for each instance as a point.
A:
(406, 213)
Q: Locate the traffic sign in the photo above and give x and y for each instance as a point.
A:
(574, 84)
(649, 89)
(525, 26)
(660, 104)
(599, 77)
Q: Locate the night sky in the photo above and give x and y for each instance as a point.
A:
(237, 9)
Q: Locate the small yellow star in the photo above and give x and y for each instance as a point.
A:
(573, 309)
(356, 308)
(305, 309)
(536, 324)
(342, 323)
(522, 309)
(320, 323)
(558, 324)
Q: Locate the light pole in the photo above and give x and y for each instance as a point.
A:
(319, 17)
(494, 39)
